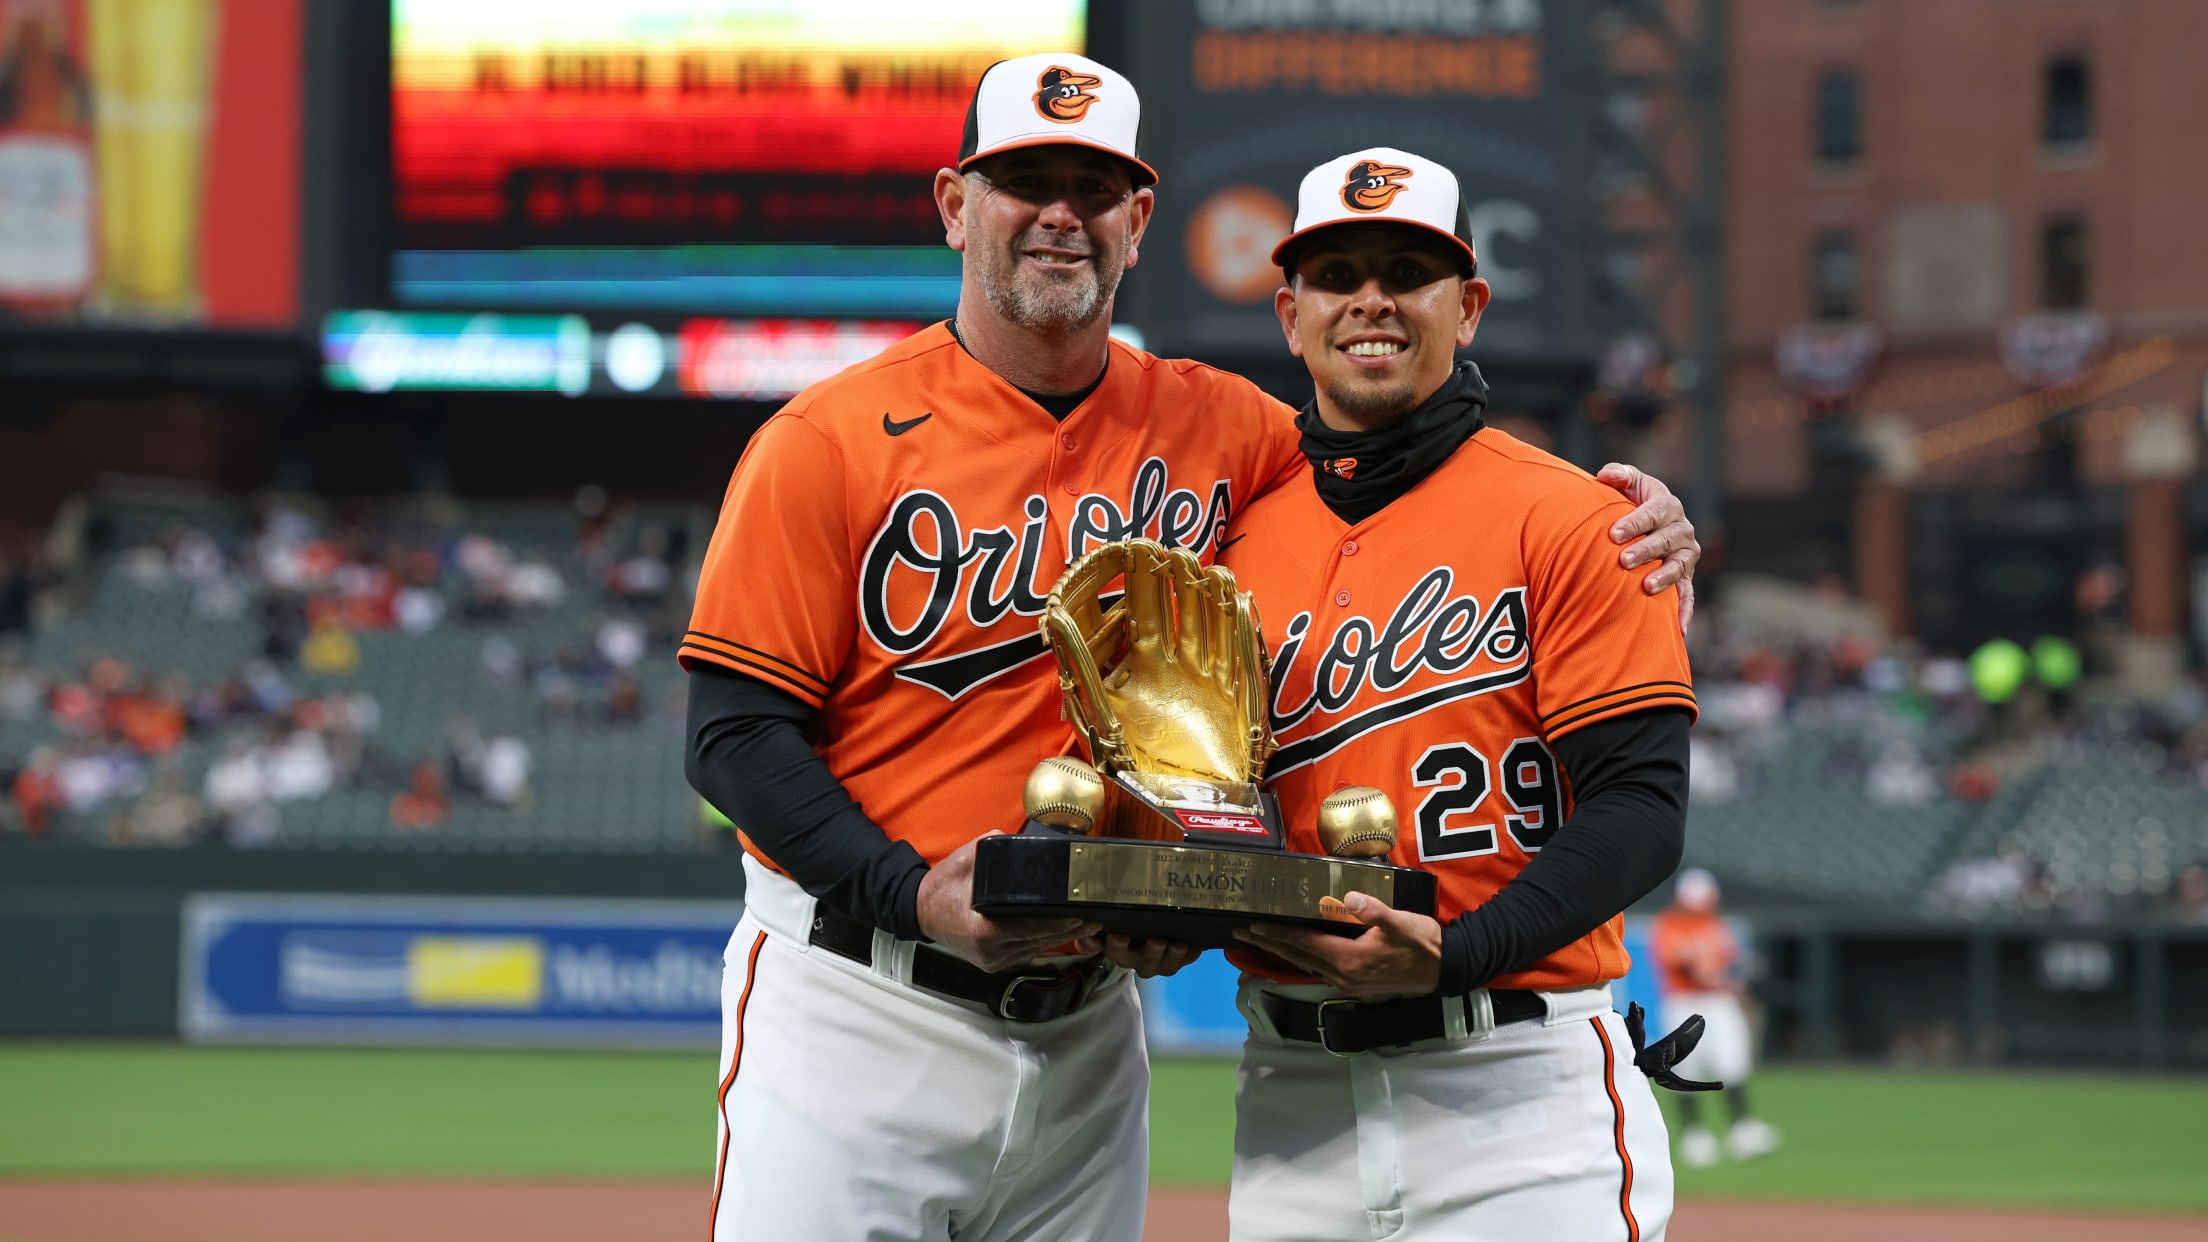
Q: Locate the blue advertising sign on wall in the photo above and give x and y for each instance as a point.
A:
(263, 967)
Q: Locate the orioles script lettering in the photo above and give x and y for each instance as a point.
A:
(1433, 627)
(924, 564)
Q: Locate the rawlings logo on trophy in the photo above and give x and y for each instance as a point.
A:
(1164, 831)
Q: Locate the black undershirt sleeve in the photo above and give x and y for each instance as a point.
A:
(1624, 837)
(749, 755)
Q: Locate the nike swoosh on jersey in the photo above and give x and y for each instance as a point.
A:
(895, 428)
(1224, 544)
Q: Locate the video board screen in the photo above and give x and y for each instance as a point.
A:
(149, 162)
(1482, 89)
(728, 157)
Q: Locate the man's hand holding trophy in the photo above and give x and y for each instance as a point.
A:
(1164, 831)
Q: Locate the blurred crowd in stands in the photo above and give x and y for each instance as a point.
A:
(1909, 727)
(293, 723)
(122, 732)
(1800, 696)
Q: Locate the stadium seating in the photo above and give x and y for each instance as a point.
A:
(2111, 820)
(1802, 816)
(596, 783)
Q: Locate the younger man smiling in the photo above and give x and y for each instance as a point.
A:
(1454, 633)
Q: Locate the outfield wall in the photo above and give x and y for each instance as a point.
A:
(91, 939)
(91, 944)
(1837, 986)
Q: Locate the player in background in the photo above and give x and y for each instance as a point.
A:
(868, 690)
(1698, 962)
(1448, 625)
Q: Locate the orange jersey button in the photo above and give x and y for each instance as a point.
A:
(1342, 598)
(1067, 440)
(1073, 489)
(1350, 548)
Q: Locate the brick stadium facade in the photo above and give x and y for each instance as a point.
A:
(1968, 307)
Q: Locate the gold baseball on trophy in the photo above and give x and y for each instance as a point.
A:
(1065, 793)
(1356, 821)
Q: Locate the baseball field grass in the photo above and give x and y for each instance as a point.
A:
(1852, 1135)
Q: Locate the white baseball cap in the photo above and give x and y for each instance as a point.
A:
(1380, 185)
(1053, 98)
(1695, 889)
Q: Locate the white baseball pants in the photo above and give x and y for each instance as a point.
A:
(1539, 1129)
(856, 1108)
(1726, 1053)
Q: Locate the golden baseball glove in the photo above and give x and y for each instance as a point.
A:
(1170, 680)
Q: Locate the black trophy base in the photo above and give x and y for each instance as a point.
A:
(1197, 894)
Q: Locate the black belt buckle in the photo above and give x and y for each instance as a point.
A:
(1324, 1042)
(1045, 998)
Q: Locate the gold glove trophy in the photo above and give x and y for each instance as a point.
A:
(1163, 832)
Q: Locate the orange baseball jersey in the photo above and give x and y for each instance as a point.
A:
(890, 536)
(1436, 649)
(1695, 950)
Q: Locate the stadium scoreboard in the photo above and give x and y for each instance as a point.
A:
(696, 197)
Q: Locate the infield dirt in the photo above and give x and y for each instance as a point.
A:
(575, 1211)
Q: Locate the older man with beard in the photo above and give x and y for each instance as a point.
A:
(869, 691)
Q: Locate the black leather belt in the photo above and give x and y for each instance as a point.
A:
(1032, 995)
(1349, 1028)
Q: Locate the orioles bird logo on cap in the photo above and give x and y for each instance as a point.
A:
(1373, 185)
(1340, 467)
(1062, 95)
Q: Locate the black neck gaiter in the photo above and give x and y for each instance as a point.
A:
(1359, 473)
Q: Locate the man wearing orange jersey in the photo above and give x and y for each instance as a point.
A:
(1698, 964)
(868, 690)
(1452, 630)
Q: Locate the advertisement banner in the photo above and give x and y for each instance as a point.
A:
(149, 162)
(452, 970)
(773, 359)
(710, 359)
(377, 351)
(1242, 97)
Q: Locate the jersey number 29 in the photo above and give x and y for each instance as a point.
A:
(1459, 778)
